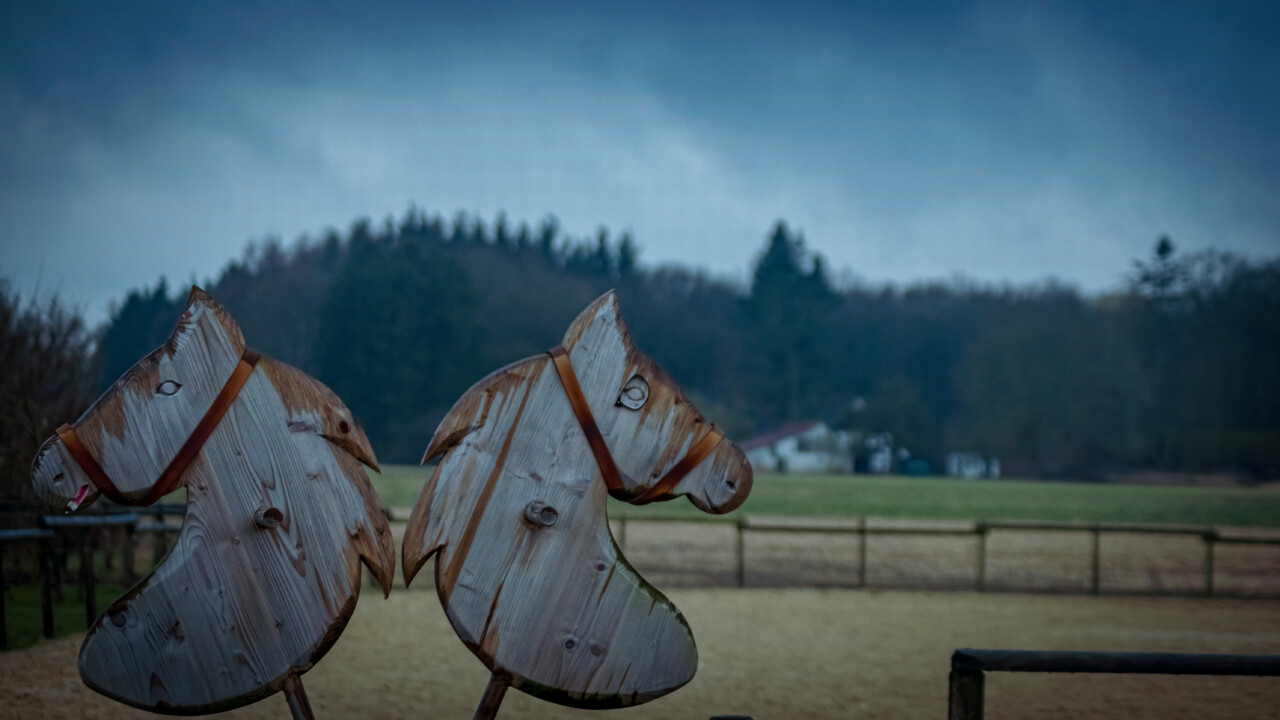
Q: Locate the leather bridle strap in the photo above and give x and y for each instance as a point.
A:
(604, 458)
(578, 401)
(169, 477)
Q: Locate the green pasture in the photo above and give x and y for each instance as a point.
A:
(22, 611)
(854, 496)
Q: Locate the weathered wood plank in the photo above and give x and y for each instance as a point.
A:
(514, 513)
(239, 607)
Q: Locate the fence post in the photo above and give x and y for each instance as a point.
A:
(742, 555)
(1209, 538)
(86, 576)
(159, 538)
(964, 697)
(1096, 587)
(4, 625)
(862, 552)
(46, 585)
(130, 576)
(981, 529)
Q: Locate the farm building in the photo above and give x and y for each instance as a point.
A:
(803, 446)
(972, 465)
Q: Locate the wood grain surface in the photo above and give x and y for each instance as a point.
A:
(514, 512)
(266, 571)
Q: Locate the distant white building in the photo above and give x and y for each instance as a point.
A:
(972, 465)
(804, 446)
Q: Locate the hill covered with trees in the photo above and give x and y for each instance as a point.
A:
(1177, 370)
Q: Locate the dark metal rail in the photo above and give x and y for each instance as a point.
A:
(967, 681)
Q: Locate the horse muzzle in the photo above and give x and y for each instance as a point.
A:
(60, 484)
(728, 483)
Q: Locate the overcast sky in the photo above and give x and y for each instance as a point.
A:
(1001, 142)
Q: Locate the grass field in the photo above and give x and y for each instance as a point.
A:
(853, 496)
(22, 612)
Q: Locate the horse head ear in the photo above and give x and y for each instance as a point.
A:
(205, 319)
(599, 328)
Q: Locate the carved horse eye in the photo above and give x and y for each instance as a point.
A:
(634, 393)
(168, 387)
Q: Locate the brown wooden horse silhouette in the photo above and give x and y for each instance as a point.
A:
(266, 570)
(527, 569)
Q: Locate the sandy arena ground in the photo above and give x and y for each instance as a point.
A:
(773, 652)
(770, 653)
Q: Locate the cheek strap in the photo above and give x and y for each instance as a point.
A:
(604, 458)
(168, 479)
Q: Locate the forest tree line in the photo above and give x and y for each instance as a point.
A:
(1176, 370)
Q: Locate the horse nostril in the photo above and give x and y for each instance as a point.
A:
(343, 427)
(733, 484)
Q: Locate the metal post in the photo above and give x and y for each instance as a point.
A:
(862, 552)
(964, 697)
(981, 529)
(1097, 560)
(742, 559)
(296, 696)
(46, 585)
(493, 693)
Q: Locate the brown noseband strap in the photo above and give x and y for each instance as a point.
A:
(604, 459)
(169, 478)
(696, 454)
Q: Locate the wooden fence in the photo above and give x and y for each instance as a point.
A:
(966, 684)
(59, 536)
(1211, 537)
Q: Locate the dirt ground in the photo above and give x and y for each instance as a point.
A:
(802, 653)
(770, 653)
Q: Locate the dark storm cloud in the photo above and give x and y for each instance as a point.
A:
(1002, 141)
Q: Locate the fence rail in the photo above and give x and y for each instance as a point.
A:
(981, 530)
(967, 681)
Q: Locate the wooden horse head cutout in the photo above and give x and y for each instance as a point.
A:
(280, 514)
(526, 569)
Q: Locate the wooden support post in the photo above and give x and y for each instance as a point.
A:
(1096, 586)
(1209, 539)
(862, 552)
(964, 698)
(296, 696)
(981, 575)
(742, 553)
(87, 580)
(492, 699)
(46, 585)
